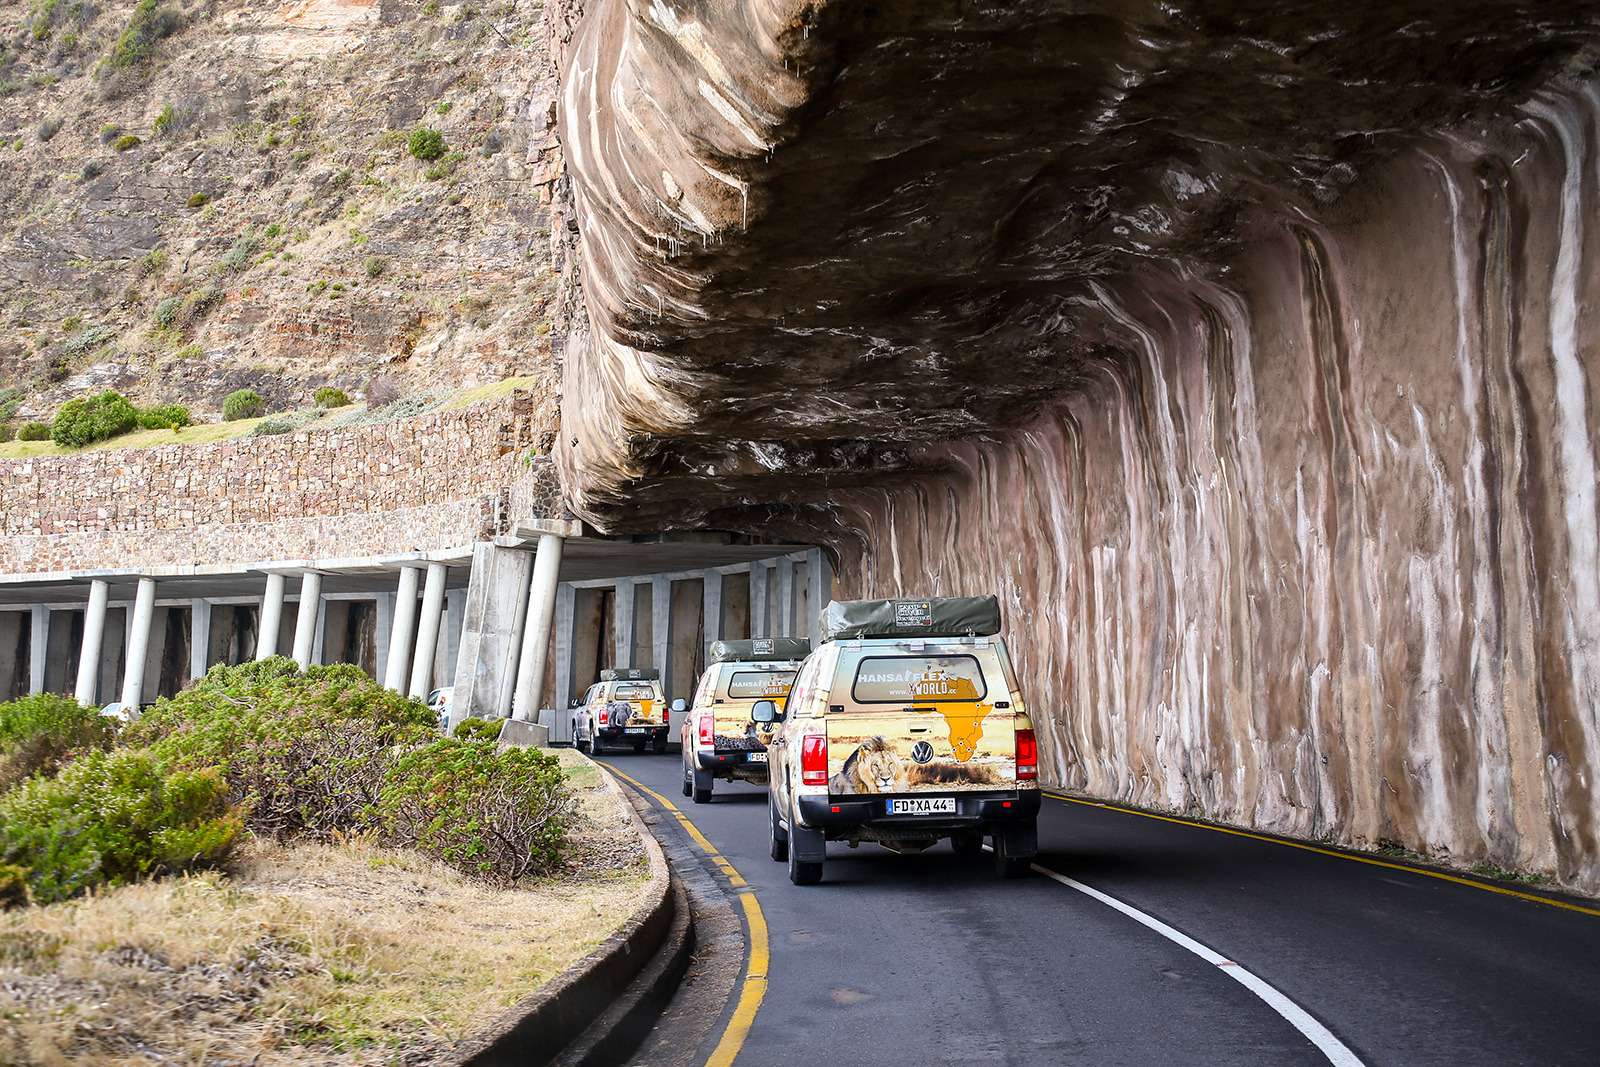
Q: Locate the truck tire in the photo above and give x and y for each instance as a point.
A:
(1014, 849)
(660, 745)
(638, 746)
(778, 841)
(968, 844)
(688, 783)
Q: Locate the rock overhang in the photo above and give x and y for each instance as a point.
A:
(819, 240)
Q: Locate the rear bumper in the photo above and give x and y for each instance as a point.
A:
(973, 811)
(726, 762)
(619, 732)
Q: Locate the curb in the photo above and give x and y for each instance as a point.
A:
(599, 1009)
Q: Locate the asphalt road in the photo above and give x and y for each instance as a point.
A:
(926, 959)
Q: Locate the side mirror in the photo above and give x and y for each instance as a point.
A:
(680, 705)
(578, 703)
(764, 711)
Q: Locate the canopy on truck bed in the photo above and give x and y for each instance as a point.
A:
(758, 649)
(950, 616)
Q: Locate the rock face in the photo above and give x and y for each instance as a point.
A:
(1245, 355)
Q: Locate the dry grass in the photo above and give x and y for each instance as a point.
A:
(312, 954)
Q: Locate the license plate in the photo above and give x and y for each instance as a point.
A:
(635, 730)
(921, 805)
(755, 757)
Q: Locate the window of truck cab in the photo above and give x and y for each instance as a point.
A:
(757, 684)
(633, 691)
(928, 679)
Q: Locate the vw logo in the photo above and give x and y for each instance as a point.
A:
(922, 752)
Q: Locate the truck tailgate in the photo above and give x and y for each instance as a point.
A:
(942, 748)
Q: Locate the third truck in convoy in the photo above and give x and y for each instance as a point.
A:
(719, 738)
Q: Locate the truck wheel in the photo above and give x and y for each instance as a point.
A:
(967, 845)
(638, 746)
(778, 841)
(660, 746)
(579, 742)
(702, 787)
(688, 786)
(1014, 850)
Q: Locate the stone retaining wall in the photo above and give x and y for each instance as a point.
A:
(434, 482)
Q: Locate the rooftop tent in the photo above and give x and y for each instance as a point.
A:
(760, 648)
(630, 674)
(953, 616)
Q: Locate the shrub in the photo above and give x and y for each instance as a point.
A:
(304, 752)
(381, 392)
(39, 733)
(497, 813)
(426, 144)
(127, 141)
(34, 431)
(113, 818)
(94, 418)
(274, 427)
(375, 266)
(13, 886)
(6, 432)
(476, 729)
(91, 170)
(165, 121)
(167, 312)
(165, 417)
(330, 397)
(238, 257)
(148, 25)
(49, 127)
(243, 404)
(110, 132)
(152, 262)
(199, 200)
(189, 351)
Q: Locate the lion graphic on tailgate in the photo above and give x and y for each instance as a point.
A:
(874, 767)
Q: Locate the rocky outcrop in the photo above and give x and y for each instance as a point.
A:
(1244, 354)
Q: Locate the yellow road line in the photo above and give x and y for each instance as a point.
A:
(1440, 875)
(754, 988)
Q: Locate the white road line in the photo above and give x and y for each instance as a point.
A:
(1337, 1052)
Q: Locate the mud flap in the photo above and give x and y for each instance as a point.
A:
(807, 846)
(1020, 842)
(703, 780)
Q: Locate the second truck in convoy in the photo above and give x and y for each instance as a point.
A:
(720, 740)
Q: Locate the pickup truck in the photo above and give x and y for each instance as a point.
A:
(719, 739)
(905, 727)
(625, 707)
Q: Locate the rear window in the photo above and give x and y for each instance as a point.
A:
(758, 685)
(930, 679)
(633, 692)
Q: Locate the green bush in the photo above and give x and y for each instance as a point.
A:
(93, 418)
(127, 141)
(304, 752)
(243, 404)
(34, 431)
(164, 121)
(496, 813)
(39, 733)
(426, 144)
(6, 432)
(166, 312)
(13, 886)
(149, 24)
(110, 818)
(476, 729)
(199, 200)
(330, 397)
(164, 417)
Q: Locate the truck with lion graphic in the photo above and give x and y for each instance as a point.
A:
(904, 728)
(719, 739)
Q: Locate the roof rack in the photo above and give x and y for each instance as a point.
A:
(630, 674)
(950, 616)
(760, 649)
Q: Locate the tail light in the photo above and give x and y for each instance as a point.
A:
(603, 717)
(707, 728)
(1027, 756)
(814, 759)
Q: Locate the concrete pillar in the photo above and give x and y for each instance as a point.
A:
(819, 577)
(271, 618)
(428, 631)
(627, 623)
(661, 629)
(566, 658)
(319, 638)
(401, 631)
(94, 627)
(144, 606)
(199, 637)
(38, 648)
(455, 603)
(685, 650)
(785, 605)
(12, 651)
(759, 614)
(536, 633)
(712, 609)
(492, 618)
(382, 628)
(305, 620)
